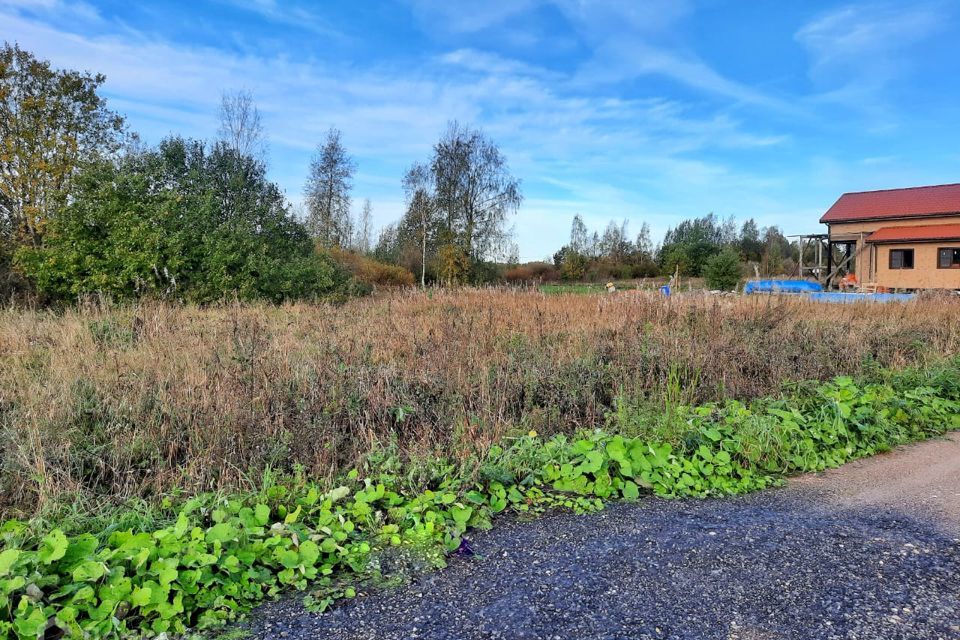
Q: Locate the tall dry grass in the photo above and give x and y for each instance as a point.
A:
(103, 405)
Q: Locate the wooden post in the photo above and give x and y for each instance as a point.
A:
(826, 284)
(819, 259)
(800, 262)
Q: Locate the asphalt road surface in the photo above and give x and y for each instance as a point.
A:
(871, 551)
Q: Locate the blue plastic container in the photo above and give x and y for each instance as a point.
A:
(665, 290)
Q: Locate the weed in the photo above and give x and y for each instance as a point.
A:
(221, 554)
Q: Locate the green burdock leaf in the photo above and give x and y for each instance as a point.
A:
(292, 517)
(288, 558)
(309, 553)
(181, 526)
(262, 513)
(461, 515)
(89, 571)
(141, 596)
(7, 558)
(223, 532)
(616, 449)
(29, 621)
(713, 434)
(53, 547)
(630, 490)
(592, 463)
(165, 569)
(116, 589)
(328, 545)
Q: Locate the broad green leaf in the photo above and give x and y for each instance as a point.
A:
(89, 571)
(29, 620)
(288, 558)
(7, 558)
(461, 515)
(592, 463)
(181, 526)
(292, 517)
(223, 532)
(165, 569)
(309, 553)
(53, 547)
(262, 513)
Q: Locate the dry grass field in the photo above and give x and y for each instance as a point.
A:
(99, 406)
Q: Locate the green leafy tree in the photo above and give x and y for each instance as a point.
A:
(52, 124)
(327, 193)
(572, 264)
(722, 270)
(696, 241)
(474, 192)
(750, 244)
(180, 221)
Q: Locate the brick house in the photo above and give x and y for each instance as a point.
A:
(898, 238)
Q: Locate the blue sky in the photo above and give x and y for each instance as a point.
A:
(651, 111)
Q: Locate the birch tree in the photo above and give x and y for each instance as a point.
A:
(420, 210)
(364, 227)
(241, 126)
(327, 193)
(474, 190)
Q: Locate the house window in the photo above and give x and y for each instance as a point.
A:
(948, 258)
(901, 258)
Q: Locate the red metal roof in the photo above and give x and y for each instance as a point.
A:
(921, 233)
(895, 203)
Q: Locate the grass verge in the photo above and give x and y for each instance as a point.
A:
(220, 555)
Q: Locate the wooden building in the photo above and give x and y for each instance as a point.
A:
(896, 238)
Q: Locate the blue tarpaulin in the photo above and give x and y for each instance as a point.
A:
(836, 296)
(813, 291)
(781, 286)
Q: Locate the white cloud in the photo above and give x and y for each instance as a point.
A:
(867, 38)
(60, 9)
(857, 51)
(577, 150)
(289, 14)
(467, 16)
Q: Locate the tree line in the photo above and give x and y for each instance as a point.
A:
(694, 248)
(87, 208)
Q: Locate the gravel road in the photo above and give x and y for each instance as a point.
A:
(830, 556)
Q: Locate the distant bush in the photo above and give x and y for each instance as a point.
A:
(532, 272)
(722, 271)
(370, 271)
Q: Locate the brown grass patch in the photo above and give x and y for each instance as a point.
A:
(139, 401)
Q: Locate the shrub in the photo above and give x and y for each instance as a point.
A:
(370, 271)
(722, 271)
(532, 272)
(182, 222)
